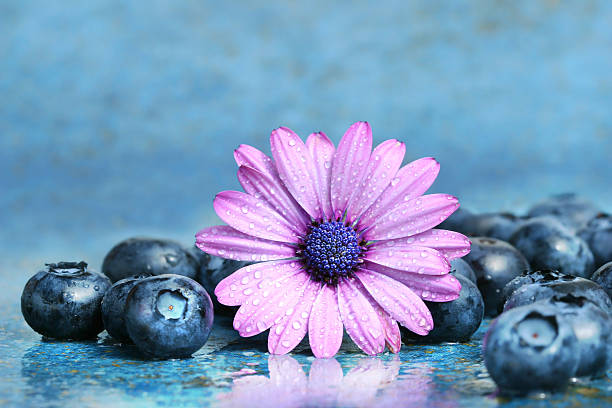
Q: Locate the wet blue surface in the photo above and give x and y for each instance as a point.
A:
(119, 120)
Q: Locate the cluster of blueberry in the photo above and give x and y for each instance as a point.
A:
(148, 296)
(547, 277)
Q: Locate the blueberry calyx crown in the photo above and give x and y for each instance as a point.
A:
(67, 267)
(330, 251)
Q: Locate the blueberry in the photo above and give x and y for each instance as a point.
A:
(494, 225)
(460, 221)
(570, 209)
(113, 307)
(168, 316)
(547, 244)
(593, 329)
(578, 287)
(531, 348)
(215, 271)
(603, 277)
(454, 321)
(63, 301)
(152, 256)
(543, 275)
(495, 263)
(461, 268)
(597, 233)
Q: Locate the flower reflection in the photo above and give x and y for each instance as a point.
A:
(325, 385)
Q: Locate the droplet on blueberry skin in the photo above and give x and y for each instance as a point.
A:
(149, 256)
(63, 301)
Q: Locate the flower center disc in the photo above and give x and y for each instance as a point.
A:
(331, 251)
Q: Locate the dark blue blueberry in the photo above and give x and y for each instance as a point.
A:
(593, 329)
(597, 233)
(200, 256)
(578, 287)
(531, 348)
(543, 275)
(547, 244)
(63, 301)
(461, 268)
(460, 221)
(168, 316)
(570, 209)
(494, 225)
(454, 321)
(603, 277)
(212, 273)
(113, 307)
(151, 256)
(495, 263)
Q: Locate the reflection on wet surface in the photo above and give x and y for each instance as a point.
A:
(234, 372)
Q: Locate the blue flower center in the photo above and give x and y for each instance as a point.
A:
(330, 251)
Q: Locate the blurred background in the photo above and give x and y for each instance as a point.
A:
(119, 119)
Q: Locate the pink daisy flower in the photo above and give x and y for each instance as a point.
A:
(343, 239)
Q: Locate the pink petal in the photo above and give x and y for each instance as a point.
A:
(393, 338)
(242, 284)
(384, 162)
(274, 193)
(410, 182)
(349, 165)
(226, 242)
(287, 334)
(449, 243)
(254, 217)
(359, 317)
(322, 151)
(398, 300)
(415, 259)
(431, 288)
(324, 324)
(412, 217)
(269, 305)
(296, 169)
(246, 155)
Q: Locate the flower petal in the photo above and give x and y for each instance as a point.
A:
(254, 217)
(324, 324)
(431, 288)
(415, 259)
(359, 317)
(287, 334)
(246, 155)
(269, 305)
(274, 193)
(349, 165)
(384, 162)
(322, 151)
(451, 244)
(412, 217)
(398, 300)
(393, 338)
(240, 285)
(410, 182)
(296, 169)
(226, 242)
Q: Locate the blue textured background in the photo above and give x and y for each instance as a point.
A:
(119, 118)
